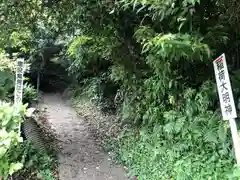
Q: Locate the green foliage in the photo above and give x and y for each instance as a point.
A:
(46, 174)
(158, 53)
(187, 143)
(7, 81)
(6, 76)
(13, 151)
(164, 153)
(73, 48)
(178, 46)
(92, 55)
(36, 164)
(10, 138)
(6, 63)
(29, 93)
(19, 39)
(161, 9)
(17, 158)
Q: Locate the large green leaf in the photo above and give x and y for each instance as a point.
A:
(15, 167)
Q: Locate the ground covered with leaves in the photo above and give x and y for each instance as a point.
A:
(79, 151)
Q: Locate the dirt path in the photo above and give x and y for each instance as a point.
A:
(80, 157)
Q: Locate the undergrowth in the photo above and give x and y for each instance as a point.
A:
(188, 143)
(104, 125)
(18, 158)
(158, 54)
(149, 156)
(37, 165)
(191, 142)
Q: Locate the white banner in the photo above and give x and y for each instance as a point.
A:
(224, 88)
(19, 81)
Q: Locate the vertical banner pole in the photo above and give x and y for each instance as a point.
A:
(235, 137)
(18, 93)
(226, 100)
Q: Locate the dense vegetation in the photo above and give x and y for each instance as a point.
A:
(18, 157)
(158, 54)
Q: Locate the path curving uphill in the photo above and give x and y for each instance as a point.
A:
(80, 156)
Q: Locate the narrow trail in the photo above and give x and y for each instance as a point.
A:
(80, 157)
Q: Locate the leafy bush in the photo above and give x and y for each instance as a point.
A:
(17, 158)
(29, 93)
(188, 143)
(6, 76)
(10, 138)
(162, 154)
(36, 164)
